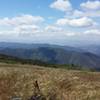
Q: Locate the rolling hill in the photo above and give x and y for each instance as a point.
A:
(52, 54)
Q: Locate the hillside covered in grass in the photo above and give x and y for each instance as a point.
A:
(17, 80)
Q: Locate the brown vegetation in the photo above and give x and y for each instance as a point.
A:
(53, 84)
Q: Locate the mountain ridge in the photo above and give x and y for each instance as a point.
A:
(53, 54)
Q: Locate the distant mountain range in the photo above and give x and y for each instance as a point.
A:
(92, 48)
(54, 54)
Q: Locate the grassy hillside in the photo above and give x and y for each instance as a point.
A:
(55, 84)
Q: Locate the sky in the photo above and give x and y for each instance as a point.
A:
(50, 21)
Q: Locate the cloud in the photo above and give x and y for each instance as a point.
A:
(62, 5)
(88, 9)
(29, 29)
(70, 34)
(81, 13)
(21, 20)
(24, 24)
(22, 30)
(52, 28)
(78, 13)
(91, 5)
(92, 31)
(78, 22)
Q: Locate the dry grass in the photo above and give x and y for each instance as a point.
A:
(55, 84)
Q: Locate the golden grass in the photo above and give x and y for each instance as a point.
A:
(55, 84)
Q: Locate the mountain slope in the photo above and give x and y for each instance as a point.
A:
(55, 55)
(92, 48)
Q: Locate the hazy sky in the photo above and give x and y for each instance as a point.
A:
(50, 21)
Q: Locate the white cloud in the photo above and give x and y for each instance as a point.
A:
(7, 32)
(92, 31)
(70, 34)
(91, 5)
(88, 9)
(81, 13)
(27, 29)
(62, 22)
(21, 20)
(21, 30)
(62, 5)
(52, 28)
(78, 22)
(24, 24)
(78, 13)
